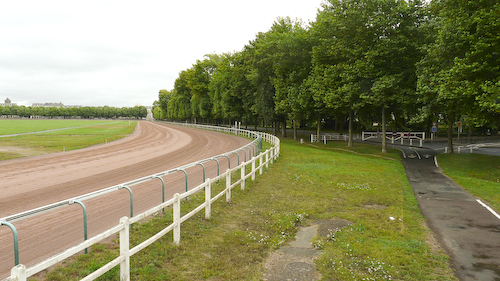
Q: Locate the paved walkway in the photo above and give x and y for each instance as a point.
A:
(467, 229)
(295, 262)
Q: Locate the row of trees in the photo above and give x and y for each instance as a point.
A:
(399, 62)
(137, 112)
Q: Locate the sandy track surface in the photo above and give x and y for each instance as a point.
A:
(32, 182)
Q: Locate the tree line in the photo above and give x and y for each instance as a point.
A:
(403, 64)
(86, 112)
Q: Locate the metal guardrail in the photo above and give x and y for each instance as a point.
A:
(20, 273)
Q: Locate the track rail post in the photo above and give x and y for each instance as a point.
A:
(16, 241)
(162, 190)
(85, 236)
(131, 200)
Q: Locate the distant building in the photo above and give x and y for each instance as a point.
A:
(54, 104)
(48, 104)
(7, 102)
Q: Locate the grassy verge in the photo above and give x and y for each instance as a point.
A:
(479, 174)
(70, 139)
(387, 239)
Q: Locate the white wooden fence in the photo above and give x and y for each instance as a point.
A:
(21, 273)
(329, 136)
(396, 136)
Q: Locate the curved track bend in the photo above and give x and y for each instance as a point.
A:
(32, 182)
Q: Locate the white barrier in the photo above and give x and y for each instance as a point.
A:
(329, 136)
(394, 136)
(21, 273)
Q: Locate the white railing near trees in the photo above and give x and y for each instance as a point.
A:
(396, 136)
(329, 136)
(21, 273)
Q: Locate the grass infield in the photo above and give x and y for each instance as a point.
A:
(80, 134)
(387, 238)
(17, 126)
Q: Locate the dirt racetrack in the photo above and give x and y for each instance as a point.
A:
(32, 182)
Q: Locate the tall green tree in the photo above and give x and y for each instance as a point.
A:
(461, 70)
(292, 65)
(366, 55)
(161, 105)
(179, 106)
(260, 74)
(230, 90)
(198, 80)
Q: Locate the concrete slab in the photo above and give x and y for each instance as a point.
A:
(295, 262)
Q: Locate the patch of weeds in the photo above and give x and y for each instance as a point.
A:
(355, 185)
(277, 228)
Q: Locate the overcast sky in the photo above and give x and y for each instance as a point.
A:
(121, 53)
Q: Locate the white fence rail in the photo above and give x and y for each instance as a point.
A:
(396, 136)
(329, 136)
(21, 273)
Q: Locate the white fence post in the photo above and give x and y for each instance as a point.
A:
(124, 249)
(261, 164)
(267, 159)
(253, 168)
(228, 185)
(242, 176)
(208, 195)
(19, 272)
(177, 219)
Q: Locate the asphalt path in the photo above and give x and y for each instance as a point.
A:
(468, 229)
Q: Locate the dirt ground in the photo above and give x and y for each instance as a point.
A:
(33, 182)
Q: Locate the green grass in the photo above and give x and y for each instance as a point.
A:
(69, 139)
(17, 126)
(306, 184)
(479, 174)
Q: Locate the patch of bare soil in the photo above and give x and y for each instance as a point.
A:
(22, 151)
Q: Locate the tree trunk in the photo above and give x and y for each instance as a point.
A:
(283, 129)
(451, 120)
(318, 131)
(384, 140)
(349, 142)
(294, 130)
